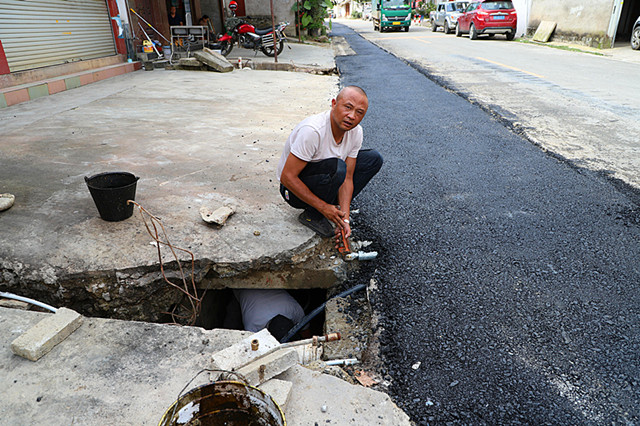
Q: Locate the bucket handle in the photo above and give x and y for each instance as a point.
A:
(210, 370)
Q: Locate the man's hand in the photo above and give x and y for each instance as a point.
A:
(346, 226)
(334, 214)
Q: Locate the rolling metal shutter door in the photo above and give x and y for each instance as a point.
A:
(37, 33)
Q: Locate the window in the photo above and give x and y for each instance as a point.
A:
(497, 5)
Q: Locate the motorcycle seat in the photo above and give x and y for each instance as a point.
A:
(264, 31)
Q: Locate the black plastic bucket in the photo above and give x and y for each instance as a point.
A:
(110, 191)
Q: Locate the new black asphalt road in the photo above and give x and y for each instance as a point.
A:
(508, 278)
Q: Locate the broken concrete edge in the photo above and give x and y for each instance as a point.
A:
(267, 367)
(278, 390)
(45, 335)
(109, 292)
(287, 66)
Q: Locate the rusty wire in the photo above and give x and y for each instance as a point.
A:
(195, 302)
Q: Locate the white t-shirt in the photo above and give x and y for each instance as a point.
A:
(312, 141)
(259, 306)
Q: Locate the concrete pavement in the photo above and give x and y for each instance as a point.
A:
(112, 372)
(195, 139)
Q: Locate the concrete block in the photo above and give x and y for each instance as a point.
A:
(279, 390)
(46, 334)
(544, 31)
(265, 368)
(189, 62)
(241, 353)
(3, 101)
(214, 60)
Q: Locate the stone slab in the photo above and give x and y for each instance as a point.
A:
(279, 390)
(241, 353)
(45, 335)
(265, 368)
(544, 31)
(214, 60)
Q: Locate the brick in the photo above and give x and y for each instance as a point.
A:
(46, 334)
(241, 353)
(263, 369)
(278, 390)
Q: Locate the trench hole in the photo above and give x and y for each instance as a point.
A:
(220, 309)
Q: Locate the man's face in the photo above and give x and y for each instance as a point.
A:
(172, 10)
(348, 109)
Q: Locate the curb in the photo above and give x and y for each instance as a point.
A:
(27, 92)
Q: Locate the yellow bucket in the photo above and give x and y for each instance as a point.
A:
(228, 403)
(147, 47)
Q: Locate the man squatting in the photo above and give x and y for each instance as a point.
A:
(323, 166)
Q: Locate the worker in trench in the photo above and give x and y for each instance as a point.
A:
(323, 166)
(273, 309)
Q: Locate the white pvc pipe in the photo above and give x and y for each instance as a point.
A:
(348, 361)
(26, 299)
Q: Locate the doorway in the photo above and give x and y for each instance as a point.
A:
(183, 10)
(628, 15)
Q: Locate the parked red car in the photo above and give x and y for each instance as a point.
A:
(488, 17)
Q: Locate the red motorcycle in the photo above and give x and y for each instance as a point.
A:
(247, 36)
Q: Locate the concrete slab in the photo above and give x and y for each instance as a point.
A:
(128, 373)
(279, 390)
(45, 335)
(106, 372)
(308, 57)
(544, 31)
(345, 404)
(214, 60)
(194, 139)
